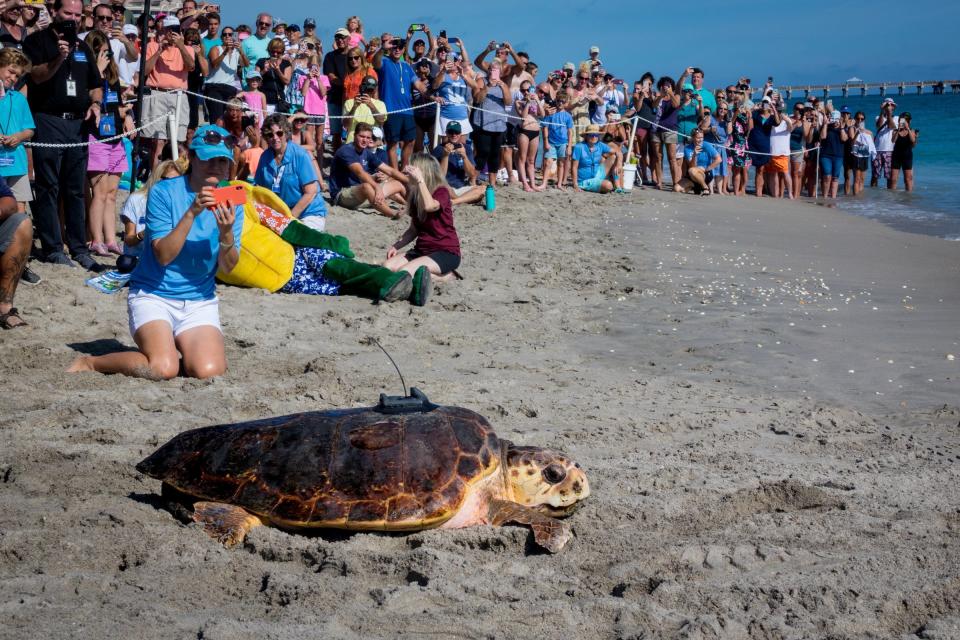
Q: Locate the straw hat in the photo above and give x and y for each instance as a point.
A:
(590, 130)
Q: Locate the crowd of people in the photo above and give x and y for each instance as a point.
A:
(404, 124)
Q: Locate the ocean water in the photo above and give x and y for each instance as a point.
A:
(933, 208)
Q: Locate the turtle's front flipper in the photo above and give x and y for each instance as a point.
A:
(550, 533)
(225, 523)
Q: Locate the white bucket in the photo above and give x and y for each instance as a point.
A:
(629, 175)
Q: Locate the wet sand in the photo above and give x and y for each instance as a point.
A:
(761, 392)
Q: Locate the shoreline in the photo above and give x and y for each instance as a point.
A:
(738, 491)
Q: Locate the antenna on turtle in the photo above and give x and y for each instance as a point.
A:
(403, 383)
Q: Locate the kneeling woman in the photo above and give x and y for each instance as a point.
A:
(172, 305)
(437, 250)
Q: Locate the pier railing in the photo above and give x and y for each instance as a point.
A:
(862, 88)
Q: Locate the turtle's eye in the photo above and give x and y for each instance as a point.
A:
(554, 474)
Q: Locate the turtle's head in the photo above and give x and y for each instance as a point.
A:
(545, 480)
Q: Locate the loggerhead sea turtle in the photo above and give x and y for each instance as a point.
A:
(385, 468)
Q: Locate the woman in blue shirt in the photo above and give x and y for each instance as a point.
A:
(287, 169)
(172, 306)
(594, 163)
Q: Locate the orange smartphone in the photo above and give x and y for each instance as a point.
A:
(234, 195)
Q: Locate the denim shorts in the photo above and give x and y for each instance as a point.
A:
(831, 166)
(555, 151)
(593, 184)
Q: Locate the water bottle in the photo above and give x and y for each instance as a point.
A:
(491, 199)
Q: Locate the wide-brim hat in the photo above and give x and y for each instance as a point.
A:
(590, 130)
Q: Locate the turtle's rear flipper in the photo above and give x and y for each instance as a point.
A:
(550, 533)
(225, 523)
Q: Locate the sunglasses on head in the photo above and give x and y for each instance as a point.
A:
(215, 137)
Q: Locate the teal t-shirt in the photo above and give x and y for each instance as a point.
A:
(687, 118)
(15, 116)
(190, 276)
(254, 48)
(210, 43)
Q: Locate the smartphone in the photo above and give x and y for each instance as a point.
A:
(618, 81)
(443, 33)
(315, 69)
(233, 195)
(68, 28)
(415, 27)
(117, 24)
(174, 29)
(454, 41)
(495, 75)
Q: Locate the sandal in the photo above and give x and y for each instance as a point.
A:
(5, 319)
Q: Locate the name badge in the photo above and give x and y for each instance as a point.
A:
(111, 97)
(107, 126)
(79, 56)
(6, 161)
(71, 89)
(278, 179)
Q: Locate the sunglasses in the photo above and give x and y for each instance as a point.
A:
(354, 57)
(270, 135)
(264, 24)
(104, 18)
(15, 9)
(215, 137)
(226, 33)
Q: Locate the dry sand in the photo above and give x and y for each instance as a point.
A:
(761, 393)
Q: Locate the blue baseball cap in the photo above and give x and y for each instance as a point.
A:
(211, 141)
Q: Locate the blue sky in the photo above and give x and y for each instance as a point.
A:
(802, 42)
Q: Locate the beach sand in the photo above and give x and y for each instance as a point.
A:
(764, 394)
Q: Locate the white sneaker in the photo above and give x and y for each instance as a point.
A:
(502, 176)
(516, 176)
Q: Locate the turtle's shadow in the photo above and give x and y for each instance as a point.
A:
(100, 347)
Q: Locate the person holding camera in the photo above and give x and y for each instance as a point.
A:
(168, 66)
(65, 92)
(172, 308)
(901, 159)
(397, 84)
(223, 82)
(887, 124)
(832, 138)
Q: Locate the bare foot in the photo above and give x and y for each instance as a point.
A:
(80, 365)
(540, 188)
(527, 188)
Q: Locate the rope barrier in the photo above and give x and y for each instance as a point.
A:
(110, 140)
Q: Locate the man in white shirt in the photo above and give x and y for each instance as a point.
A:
(129, 69)
(778, 169)
(887, 124)
(120, 46)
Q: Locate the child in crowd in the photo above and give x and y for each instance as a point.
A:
(355, 27)
(314, 87)
(256, 100)
(559, 137)
(430, 207)
(16, 126)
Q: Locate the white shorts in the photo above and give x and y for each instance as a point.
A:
(181, 315)
(20, 185)
(315, 222)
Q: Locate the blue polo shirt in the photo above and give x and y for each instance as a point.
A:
(189, 276)
(590, 161)
(287, 180)
(396, 84)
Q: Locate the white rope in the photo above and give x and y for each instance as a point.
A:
(720, 146)
(110, 140)
(247, 107)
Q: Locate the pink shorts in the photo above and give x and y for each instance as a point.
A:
(106, 158)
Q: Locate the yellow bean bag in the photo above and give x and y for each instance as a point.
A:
(266, 260)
